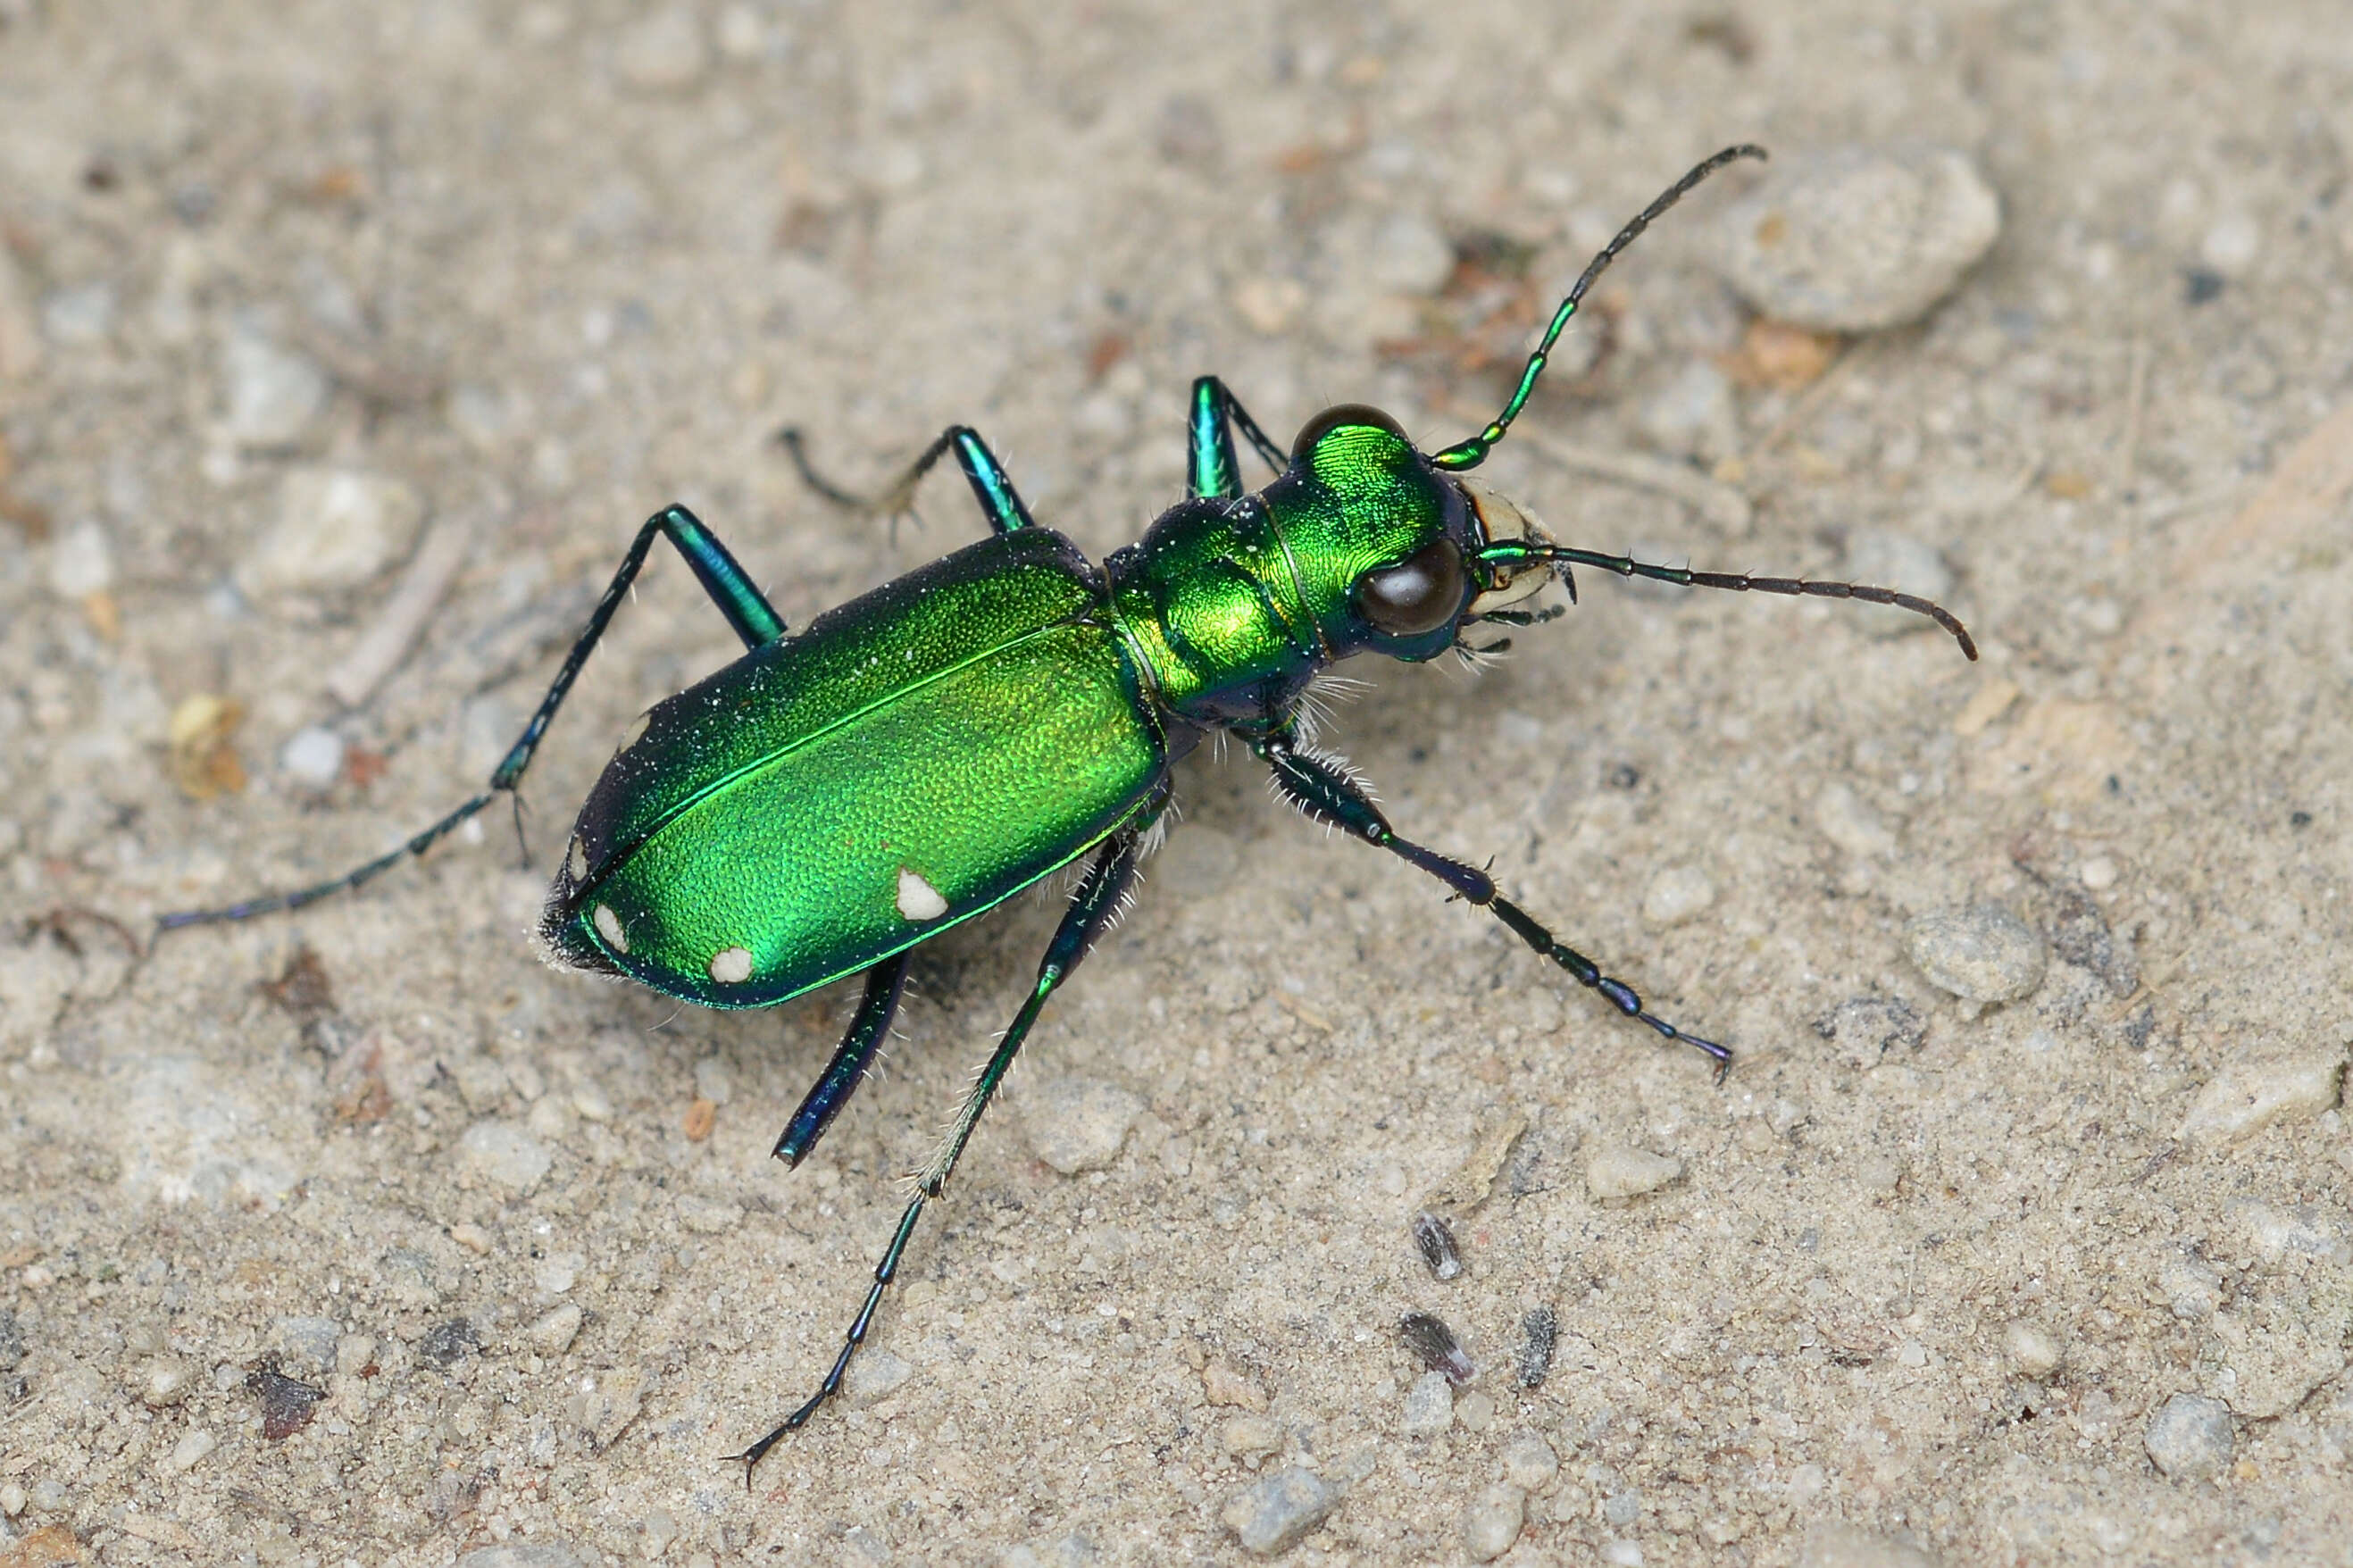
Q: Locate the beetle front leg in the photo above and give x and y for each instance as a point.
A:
(730, 587)
(1211, 469)
(1327, 790)
(1093, 906)
(991, 486)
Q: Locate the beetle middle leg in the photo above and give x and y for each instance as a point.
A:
(1326, 791)
(1094, 904)
(991, 486)
(846, 1070)
(722, 577)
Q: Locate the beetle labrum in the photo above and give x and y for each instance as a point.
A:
(833, 799)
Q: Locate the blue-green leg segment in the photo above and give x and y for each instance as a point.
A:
(1325, 789)
(1096, 903)
(721, 577)
(846, 1070)
(991, 486)
(1211, 468)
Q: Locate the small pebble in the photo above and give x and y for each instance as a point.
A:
(306, 1346)
(165, 1381)
(354, 1353)
(2231, 246)
(2032, 1349)
(81, 563)
(1676, 894)
(1881, 557)
(709, 1215)
(1078, 1123)
(1275, 1514)
(534, 1555)
(472, 1237)
(2244, 1097)
(2191, 1436)
(12, 1499)
(1475, 1411)
(1529, 1463)
(190, 1451)
(2099, 874)
(1692, 414)
(1852, 239)
(1493, 1522)
(1222, 1384)
(1622, 1553)
(1620, 1170)
(336, 528)
(1837, 1544)
(1850, 824)
(551, 1333)
(660, 1530)
(711, 1081)
(666, 52)
(272, 393)
(876, 1373)
(1539, 1332)
(1429, 1406)
(1983, 953)
(312, 757)
(78, 314)
(2192, 1287)
(1881, 1174)
(1249, 1436)
(505, 1154)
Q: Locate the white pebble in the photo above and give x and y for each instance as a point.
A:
(875, 1372)
(505, 1154)
(1837, 1544)
(1078, 1123)
(1852, 239)
(81, 563)
(2231, 246)
(1847, 822)
(2098, 873)
(1676, 894)
(1429, 1406)
(2032, 1348)
(78, 314)
(272, 393)
(312, 757)
(336, 528)
(2191, 1436)
(1983, 953)
(1494, 1522)
(165, 1381)
(552, 1332)
(1620, 1170)
(1251, 1436)
(1529, 1463)
(2246, 1098)
(190, 1451)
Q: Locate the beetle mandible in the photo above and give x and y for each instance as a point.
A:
(790, 821)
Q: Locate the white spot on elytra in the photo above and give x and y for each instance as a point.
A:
(732, 965)
(577, 863)
(608, 926)
(918, 900)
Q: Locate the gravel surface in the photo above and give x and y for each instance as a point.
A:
(341, 350)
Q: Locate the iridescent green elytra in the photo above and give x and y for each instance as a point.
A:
(835, 797)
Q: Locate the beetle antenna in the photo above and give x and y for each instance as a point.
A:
(1470, 453)
(1515, 552)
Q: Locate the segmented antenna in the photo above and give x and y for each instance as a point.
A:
(1469, 454)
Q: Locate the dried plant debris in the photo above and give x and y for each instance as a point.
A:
(1434, 1344)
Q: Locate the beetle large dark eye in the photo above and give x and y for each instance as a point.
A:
(1418, 594)
(1340, 414)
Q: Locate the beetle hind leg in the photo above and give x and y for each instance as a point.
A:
(1094, 905)
(867, 1027)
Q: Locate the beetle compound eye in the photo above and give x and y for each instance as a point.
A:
(1340, 414)
(1418, 594)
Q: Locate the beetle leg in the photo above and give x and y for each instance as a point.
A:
(846, 1070)
(991, 486)
(1327, 790)
(1211, 469)
(1093, 906)
(721, 577)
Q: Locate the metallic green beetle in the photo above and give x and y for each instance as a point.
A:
(833, 799)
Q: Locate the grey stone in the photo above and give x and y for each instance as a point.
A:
(1529, 1463)
(1429, 1406)
(312, 757)
(1852, 239)
(505, 1154)
(1983, 953)
(1078, 1123)
(1278, 1512)
(272, 393)
(336, 528)
(306, 1346)
(2190, 1437)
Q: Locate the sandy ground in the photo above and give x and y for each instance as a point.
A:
(434, 1251)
